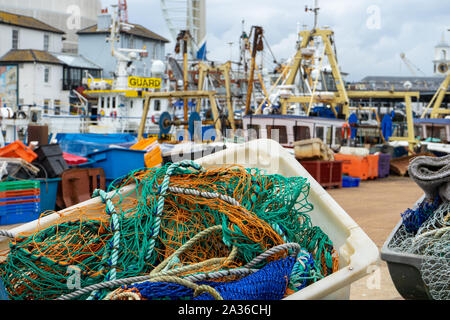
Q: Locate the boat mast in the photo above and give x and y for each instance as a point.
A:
(125, 57)
(257, 46)
(315, 9)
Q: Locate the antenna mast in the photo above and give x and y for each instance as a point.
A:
(123, 11)
(315, 9)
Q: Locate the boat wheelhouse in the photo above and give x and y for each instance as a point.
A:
(433, 129)
(291, 128)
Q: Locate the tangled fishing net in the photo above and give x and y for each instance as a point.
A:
(425, 229)
(179, 232)
(431, 240)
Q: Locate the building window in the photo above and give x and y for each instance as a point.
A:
(301, 133)
(46, 106)
(57, 104)
(131, 42)
(338, 136)
(46, 74)
(319, 132)
(15, 39)
(419, 132)
(436, 132)
(157, 105)
(253, 131)
(46, 42)
(329, 135)
(279, 132)
(113, 102)
(73, 77)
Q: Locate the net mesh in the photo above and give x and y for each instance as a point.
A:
(132, 233)
(432, 243)
(269, 283)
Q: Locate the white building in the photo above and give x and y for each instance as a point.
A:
(94, 46)
(69, 16)
(22, 32)
(441, 57)
(31, 55)
(39, 77)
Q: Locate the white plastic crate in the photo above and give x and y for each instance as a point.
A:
(357, 252)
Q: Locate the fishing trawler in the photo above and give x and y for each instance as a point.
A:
(117, 104)
(107, 106)
(310, 99)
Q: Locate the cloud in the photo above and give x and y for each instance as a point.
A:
(410, 26)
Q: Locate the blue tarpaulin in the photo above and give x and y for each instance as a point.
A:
(386, 127)
(353, 119)
(82, 144)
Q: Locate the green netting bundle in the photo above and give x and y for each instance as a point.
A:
(146, 223)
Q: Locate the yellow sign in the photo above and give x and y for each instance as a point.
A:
(147, 83)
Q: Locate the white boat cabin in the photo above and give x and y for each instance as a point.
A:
(290, 128)
(433, 129)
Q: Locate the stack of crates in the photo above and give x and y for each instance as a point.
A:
(19, 202)
(373, 166)
(384, 165)
(18, 150)
(153, 157)
(117, 162)
(52, 160)
(327, 173)
(354, 166)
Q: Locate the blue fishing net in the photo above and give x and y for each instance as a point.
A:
(269, 283)
(3, 294)
(414, 219)
(304, 271)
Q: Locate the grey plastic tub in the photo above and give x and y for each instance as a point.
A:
(404, 269)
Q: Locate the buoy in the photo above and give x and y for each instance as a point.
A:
(346, 131)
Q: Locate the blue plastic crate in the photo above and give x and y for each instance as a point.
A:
(49, 191)
(88, 165)
(28, 198)
(117, 162)
(350, 182)
(19, 213)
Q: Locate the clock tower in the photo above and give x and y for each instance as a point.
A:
(441, 57)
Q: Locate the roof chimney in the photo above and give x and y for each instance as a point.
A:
(104, 21)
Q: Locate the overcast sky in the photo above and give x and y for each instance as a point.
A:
(369, 34)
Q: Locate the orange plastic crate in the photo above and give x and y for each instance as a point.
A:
(354, 166)
(153, 158)
(144, 144)
(18, 150)
(373, 166)
(20, 193)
